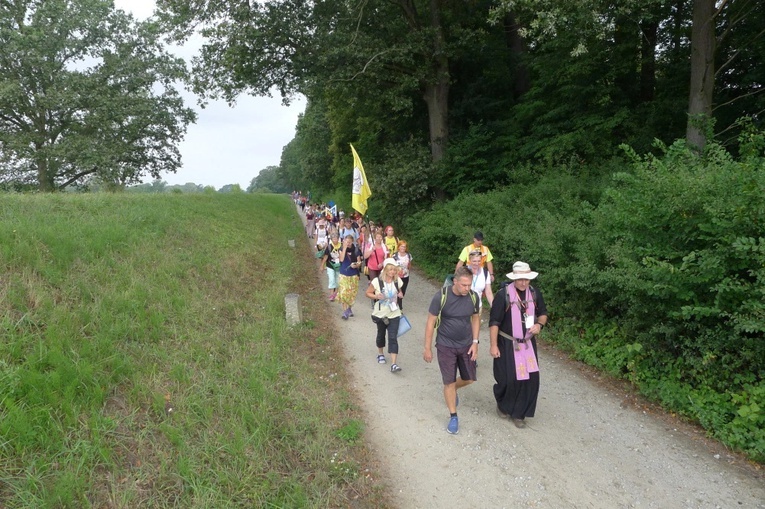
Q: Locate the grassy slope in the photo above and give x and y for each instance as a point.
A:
(116, 308)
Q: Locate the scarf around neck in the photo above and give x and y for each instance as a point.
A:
(516, 306)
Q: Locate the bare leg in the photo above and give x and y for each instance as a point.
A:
(450, 393)
(450, 396)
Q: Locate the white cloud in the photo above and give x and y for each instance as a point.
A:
(227, 145)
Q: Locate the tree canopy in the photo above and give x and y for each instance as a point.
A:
(485, 87)
(86, 92)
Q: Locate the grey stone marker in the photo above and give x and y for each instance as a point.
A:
(292, 306)
(291, 243)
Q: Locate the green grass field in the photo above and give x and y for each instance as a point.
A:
(145, 360)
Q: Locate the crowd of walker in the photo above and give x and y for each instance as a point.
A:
(348, 247)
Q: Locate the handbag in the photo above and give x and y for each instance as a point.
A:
(403, 325)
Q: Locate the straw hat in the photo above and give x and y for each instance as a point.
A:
(521, 270)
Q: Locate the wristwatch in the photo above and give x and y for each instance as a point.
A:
(475, 341)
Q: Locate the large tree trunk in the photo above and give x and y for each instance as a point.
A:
(437, 98)
(43, 183)
(678, 15)
(624, 57)
(44, 178)
(522, 81)
(436, 93)
(649, 31)
(702, 73)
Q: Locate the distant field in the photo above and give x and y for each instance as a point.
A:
(145, 360)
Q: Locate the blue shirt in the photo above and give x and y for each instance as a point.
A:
(344, 232)
(352, 255)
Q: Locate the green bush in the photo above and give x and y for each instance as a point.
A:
(680, 256)
(539, 219)
(657, 276)
(676, 258)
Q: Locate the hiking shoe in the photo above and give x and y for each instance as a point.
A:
(395, 368)
(345, 315)
(380, 359)
(519, 423)
(454, 426)
(502, 414)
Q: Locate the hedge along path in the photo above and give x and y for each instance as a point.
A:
(584, 448)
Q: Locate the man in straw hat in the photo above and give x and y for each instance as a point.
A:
(518, 313)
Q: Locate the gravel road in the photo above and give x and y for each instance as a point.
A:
(591, 444)
(587, 447)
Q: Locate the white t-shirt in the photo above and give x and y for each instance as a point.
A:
(321, 236)
(404, 261)
(480, 282)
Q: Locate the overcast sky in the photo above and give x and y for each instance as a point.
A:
(228, 145)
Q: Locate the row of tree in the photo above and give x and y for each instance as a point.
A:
(160, 186)
(439, 97)
(463, 93)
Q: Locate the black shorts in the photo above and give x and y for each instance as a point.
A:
(452, 359)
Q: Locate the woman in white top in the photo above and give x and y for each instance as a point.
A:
(404, 260)
(384, 292)
(322, 235)
(481, 279)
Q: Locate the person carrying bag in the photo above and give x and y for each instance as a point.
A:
(385, 290)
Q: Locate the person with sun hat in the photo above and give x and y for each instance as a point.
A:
(517, 315)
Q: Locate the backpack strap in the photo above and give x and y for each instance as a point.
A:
(443, 303)
(380, 284)
(507, 295)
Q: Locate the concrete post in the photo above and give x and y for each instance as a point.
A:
(292, 306)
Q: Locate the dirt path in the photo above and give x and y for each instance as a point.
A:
(585, 448)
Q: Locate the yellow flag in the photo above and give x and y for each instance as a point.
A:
(361, 191)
